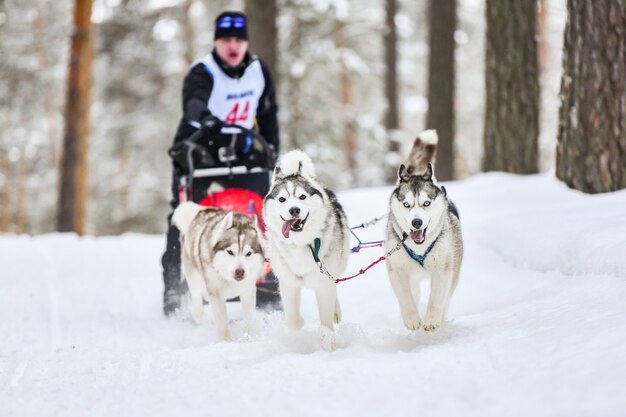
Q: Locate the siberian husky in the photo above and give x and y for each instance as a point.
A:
(222, 257)
(424, 225)
(304, 221)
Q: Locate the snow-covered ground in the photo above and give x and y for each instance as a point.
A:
(537, 326)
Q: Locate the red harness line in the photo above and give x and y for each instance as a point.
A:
(382, 258)
(356, 249)
(362, 271)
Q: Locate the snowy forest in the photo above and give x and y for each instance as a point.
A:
(529, 101)
(356, 81)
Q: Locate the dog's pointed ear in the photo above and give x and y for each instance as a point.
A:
(299, 168)
(443, 190)
(259, 231)
(224, 224)
(403, 174)
(257, 225)
(428, 175)
(228, 220)
(278, 173)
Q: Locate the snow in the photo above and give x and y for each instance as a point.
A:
(536, 326)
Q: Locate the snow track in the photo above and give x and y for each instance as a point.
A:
(536, 326)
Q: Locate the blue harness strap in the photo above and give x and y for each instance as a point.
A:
(419, 258)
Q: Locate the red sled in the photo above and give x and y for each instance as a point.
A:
(237, 199)
(231, 199)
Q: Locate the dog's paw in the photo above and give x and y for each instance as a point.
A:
(412, 321)
(295, 324)
(432, 324)
(328, 340)
(224, 336)
(198, 315)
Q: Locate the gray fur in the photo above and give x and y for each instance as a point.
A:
(296, 195)
(222, 258)
(280, 184)
(421, 211)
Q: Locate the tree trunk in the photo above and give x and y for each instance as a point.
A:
(263, 32)
(441, 83)
(591, 149)
(5, 196)
(188, 34)
(41, 47)
(73, 182)
(345, 86)
(512, 83)
(295, 122)
(542, 28)
(350, 134)
(392, 118)
(22, 172)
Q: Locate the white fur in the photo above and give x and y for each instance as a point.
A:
(291, 256)
(442, 264)
(215, 282)
(291, 160)
(184, 215)
(429, 137)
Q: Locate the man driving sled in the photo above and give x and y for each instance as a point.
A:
(231, 86)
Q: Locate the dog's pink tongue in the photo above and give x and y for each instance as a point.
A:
(287, 227)
(417, 235)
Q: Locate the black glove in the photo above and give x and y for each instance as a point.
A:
(188, 154)
(212, 125)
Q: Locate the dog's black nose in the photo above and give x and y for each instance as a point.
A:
(294, 211)
(239, 273)
(416, 223)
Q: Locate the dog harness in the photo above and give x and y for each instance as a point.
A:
(416, 257)
(315, 249)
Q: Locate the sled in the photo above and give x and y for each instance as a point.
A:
(237, 199)
(230, 164)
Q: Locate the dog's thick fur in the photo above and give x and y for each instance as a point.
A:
(421, 211)
(298, 210)
(222, 258)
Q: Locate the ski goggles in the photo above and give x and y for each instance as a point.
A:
(228, 22)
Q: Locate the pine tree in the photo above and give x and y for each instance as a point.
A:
(591, 150)
(512, 81)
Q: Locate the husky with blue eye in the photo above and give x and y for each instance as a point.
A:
(222, 258)
(425, 225)
(305, 223)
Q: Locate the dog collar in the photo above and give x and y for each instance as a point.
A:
(416, 257)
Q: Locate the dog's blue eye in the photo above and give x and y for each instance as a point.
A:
(302, 197)
(407, 205)
(282, 199)
(230, 252)
(426, 203)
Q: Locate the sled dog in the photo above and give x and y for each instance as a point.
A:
(426, 225)
(304, 220)
(222, 257)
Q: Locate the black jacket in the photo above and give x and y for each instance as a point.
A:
(197, 89)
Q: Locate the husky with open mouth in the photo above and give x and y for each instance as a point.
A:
(304, 222)
(424, 225)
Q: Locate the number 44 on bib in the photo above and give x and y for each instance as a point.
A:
(238, 113)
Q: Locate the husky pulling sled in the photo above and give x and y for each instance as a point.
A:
(308, 234)
(308, 238)
(246, 153)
